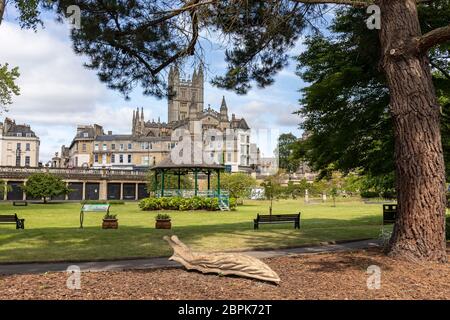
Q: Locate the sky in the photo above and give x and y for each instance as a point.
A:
(58, 92)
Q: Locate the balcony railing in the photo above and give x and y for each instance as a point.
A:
(24, 172)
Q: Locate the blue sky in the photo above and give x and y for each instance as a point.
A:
(57, 92)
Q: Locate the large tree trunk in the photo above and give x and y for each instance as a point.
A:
(2, 9)
(419, 233)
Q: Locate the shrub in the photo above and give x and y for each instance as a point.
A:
(110, 216)
(103, 202)
(369, 194)
(181, 204)
(233, 204)
(162, 216)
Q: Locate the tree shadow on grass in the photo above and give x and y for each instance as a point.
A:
(91, 243)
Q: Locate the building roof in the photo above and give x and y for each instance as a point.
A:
(114, 137)
(13, 129)
(167, 163)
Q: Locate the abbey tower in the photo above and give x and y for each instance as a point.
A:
(183, 93)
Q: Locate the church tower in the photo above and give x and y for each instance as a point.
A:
(184, 92)
(223, 110)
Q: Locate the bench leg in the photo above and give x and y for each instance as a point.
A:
(255, 225)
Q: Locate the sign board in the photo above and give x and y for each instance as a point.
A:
(101, 207)
(228, 168)
(95, 208)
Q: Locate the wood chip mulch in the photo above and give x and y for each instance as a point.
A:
(308, 276)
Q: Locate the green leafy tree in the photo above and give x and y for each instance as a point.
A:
(8, 87)
(286, 142)
(238, 184)
(272, 188)
(45, 186)
(132, 43)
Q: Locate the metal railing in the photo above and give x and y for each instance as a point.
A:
(24, 172)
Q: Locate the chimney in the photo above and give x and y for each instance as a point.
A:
(233, 117)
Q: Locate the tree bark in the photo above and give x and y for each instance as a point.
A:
(2, 9)
(419, 233)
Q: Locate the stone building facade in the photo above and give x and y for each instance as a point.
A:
(19, 145)
(152, 141)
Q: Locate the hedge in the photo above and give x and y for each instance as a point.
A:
(183, 204)
(103, 202)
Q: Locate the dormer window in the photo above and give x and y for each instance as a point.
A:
(19, 134)
(85, 134)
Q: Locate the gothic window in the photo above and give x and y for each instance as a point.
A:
(183, 93)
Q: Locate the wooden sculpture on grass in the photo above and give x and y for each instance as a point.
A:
(221, 263)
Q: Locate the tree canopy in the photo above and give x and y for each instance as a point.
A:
(8, 86)
(45, 186)
(345, 106)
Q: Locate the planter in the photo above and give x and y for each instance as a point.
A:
(110, 224)
(163, 224)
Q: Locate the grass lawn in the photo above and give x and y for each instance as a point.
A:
(52, 231)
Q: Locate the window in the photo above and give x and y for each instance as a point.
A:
(229, 156)
(248, 139)
(113, 158)
(183, 93)
(104, 158)
(129, 146)
(143, 146)
(18, 160)
(113, 146)
(83, 147)
(151, 146)
(19, 134)
(96, 147)
(27, 161)
(121, 158)
(194, 94)
(121, 147)
(28, 135)
(105, 147)
(9, 146)
(145, 161)
(27, 147)
(96, 158)
(129, 158)
(85, 134)
(19, 146)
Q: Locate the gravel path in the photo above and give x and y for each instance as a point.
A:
(154, 263)
(331, 275)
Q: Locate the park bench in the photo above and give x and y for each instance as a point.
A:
(13, 219)
(277, 218)
(389, 213)
(20, 203)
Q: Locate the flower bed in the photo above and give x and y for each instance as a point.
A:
(182, 204)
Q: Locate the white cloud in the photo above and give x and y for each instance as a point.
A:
(57, 92)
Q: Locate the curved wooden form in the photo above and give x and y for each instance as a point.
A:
(221, 263)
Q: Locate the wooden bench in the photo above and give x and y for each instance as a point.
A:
(20, 203)
(277, 218)
(389, 213)
(13, 219)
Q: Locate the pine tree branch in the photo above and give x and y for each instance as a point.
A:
(434, 37)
